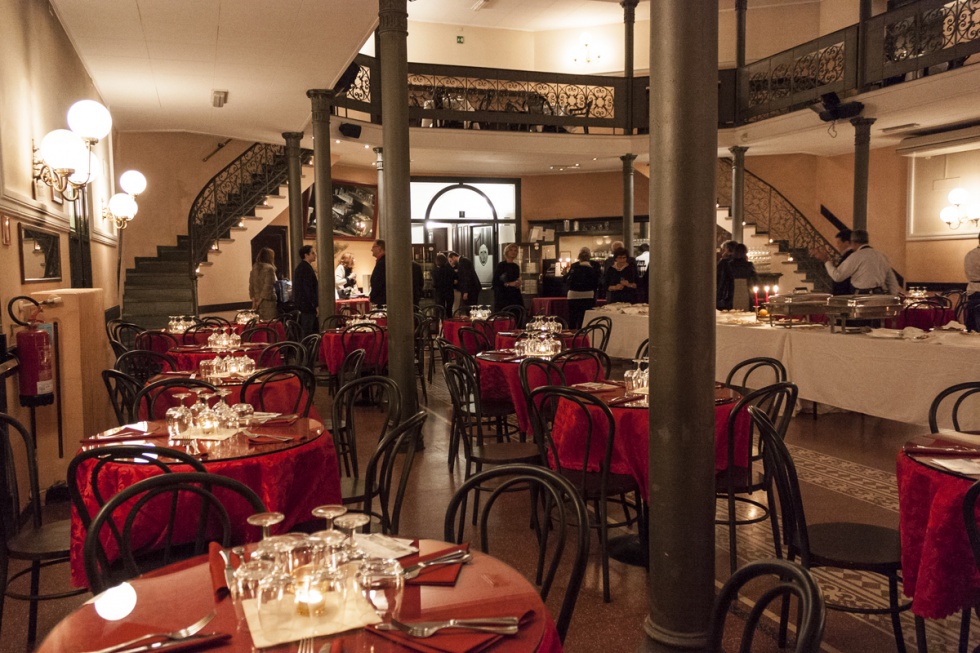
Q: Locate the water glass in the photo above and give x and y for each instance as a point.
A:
(178, 421)
(382, 583)
(244, 413)
(277, 605)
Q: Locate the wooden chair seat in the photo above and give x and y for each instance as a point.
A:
(589, 484)
(849, 545)
(50, 542)
(494, 453)
(746, 479)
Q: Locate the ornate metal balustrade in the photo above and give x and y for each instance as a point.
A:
(232, 194)
(774, 215)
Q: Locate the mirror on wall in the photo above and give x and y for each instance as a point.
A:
(40, 254)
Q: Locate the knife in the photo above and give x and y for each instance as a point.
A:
(229, 572)
(192, 642)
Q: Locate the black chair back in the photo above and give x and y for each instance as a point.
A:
(215, 321)
(770, 369)
(958, 394)
(366, 336)
(126, 509)
(311, 345)
(474, 340)
(380, 471)
(155, 340)
(260, 334)
(125, 333)
(350, 367)
(380, 391)
(287, 352)
(141, 364)
(260, 390)
(519, 313)
(452, 354)
(643, 351)
(536, 372)
(792, 581)
(335, 321)
(594, 363)
(153, 400)
(596, 333)
(554, 504)
(122, 389)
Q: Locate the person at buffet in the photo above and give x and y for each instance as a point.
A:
(467, 283)
(443, 282)
(725, 251)
(971, 266)
(843, 242)
(379, 284)
(621, 278)
(582, 279)
(344, 278)
(507, 280)
(869, 270)
(733, 293)
(262, 284)
(306, 290)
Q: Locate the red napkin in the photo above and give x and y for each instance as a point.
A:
(217, 566)
(282, 420)
(445, 641)
(443, 575)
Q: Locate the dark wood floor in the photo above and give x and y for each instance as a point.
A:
(847, 466)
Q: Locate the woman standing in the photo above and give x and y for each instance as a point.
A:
(583, 281)
(507, 280)
(621, 279)
(443, 282)
(344, 278)
(262, 284)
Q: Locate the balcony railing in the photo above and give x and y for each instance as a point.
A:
(913, 39)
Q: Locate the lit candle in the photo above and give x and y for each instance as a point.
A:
(775, 290)
(309, 602)
(755, 291)
(766, 288)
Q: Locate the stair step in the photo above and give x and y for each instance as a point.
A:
(167, 280)
(154, 266)
(158, 293)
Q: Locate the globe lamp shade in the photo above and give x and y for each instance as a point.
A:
(89, 119)
(133, 182)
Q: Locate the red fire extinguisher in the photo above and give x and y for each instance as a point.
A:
(36, 360)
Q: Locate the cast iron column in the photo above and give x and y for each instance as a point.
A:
(392, 38)
(382, 214)
(628, 203)
(323, 199)
(683, 142)
(294, 190)
(741, 10)
(862, 146)
(629, 18)
(738, 192)
(864, 13)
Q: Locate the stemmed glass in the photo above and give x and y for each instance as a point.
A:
(328, 513)
(349, 523)
(223, 413)
(382, 583)
(266, 520)
(179, 417)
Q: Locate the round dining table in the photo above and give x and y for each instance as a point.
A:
(332, 349)
(179, 594)
(452, 325)
(189, 357)
(358, 305)
(291, 476)
(938, 569)
(507, 339)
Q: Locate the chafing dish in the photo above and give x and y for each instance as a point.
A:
(844, 308)
(797, 305)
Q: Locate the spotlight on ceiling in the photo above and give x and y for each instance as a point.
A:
(831, 108)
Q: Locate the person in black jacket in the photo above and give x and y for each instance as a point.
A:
(418, 283)
(843, 243)
(737, 267)
(379, 283)
(507, 280)
(306, 290)
(582, 280)
(443, 282)
(621, 279)
(467, 283)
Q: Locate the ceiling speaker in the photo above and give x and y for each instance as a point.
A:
(349, 130)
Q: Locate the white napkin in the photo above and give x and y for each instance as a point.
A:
(195, 433)
(376, 545)
(969, 466)
(953, 325)
(357, 613)
(911, 332)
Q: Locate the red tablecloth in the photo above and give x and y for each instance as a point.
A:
(332, 349)
(361, 305)
(554, 306)
(280, 397)
(938, 570)
(452, 325)
(506, 339)
(502, 379)
(189, 357)
(632, 440)
(292, 481)
(922, 318)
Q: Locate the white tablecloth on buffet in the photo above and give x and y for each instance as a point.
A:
(628, 331)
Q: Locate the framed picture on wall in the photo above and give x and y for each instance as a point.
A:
(354, 211)
(483, 259)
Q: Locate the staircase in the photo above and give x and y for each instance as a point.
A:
(776, 232)
(166, 284)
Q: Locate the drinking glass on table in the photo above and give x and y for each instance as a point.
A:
(329, 513)
(277, 605)
(382, 582)
(244, 413)
(266, 520)
(349, 524)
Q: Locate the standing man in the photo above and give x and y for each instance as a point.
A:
(379, 287)
(868, 269)
(467, 282)
(418, 284)
(971, 266)
(306, 290)
(843, 242)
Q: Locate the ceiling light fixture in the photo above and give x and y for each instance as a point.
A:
(962, 208)
(586, 53)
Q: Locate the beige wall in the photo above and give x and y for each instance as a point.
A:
(431, 43)
(570, 196)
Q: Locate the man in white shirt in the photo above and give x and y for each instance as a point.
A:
(971, 267)
(869, 269)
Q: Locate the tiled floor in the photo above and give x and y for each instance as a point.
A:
(846, 462)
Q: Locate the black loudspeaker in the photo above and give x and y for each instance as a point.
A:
(349, 130)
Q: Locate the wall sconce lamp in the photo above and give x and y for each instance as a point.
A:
(65, 160)
(585, 53)
(962, 208)
(122, 207)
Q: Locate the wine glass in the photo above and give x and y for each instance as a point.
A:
(266, 520)
(328, 513)
(349, 523)
(382, 583)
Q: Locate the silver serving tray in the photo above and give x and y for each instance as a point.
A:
(864, 301)
(800, 298)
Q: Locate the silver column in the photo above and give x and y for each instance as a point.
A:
(862, 146)
(628, 202)
(323, 194)
(294, 172)
(392, 37)
(683, 143)
(738, 192)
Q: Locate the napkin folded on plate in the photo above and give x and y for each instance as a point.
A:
(451, 640)
(444, 575)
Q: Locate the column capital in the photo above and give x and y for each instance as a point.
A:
(862, 121)
(293, 138)
(862, 130)
(738, 149)
(629, 10)
(321, 99)
(392, 16)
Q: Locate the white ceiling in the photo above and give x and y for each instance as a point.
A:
(157, 62)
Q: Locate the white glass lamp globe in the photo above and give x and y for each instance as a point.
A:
(973, 212)
(959, 196)
(89, 119)
(116, 602)
(133, 182)
(64, 150)
(123, 206)
(951, 216)
(87, 173)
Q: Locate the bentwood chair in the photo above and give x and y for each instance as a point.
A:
(141, 364)
(122, 389)
(519, 313)
(125, 333)
(264, 390)
(643, 351)
(155, 340)
(369, 337)
(185, 497)
(350, 417)
(286, 352)
(41, 544)
(960, 395)
(739, 481)
(260, 334)
(595, 333)
(587, 460)
(745, 376)
(594, 363)
(335, 321)
(474, 340)
(215, 321)
(556, 509)
(845, 545)
(791, 580)
(153, 400)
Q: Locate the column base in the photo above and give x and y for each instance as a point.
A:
(669, 640)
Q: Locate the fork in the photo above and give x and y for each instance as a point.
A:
(255, 436)
(182, 633)
(305, 645)
(501, 626)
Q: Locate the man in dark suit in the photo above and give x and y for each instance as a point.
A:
(418, 283)
(306, 290)
(467, 282)
(843, 242)
(379, 287)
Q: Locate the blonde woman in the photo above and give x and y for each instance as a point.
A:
(507, 280)
(262, 284)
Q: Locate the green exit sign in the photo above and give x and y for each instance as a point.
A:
(460, 39)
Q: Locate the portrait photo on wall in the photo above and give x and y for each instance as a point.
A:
(354, 213)
(483, 259)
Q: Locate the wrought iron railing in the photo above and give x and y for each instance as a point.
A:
(232, 194)
(785, 225)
